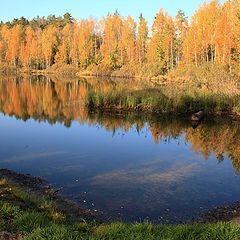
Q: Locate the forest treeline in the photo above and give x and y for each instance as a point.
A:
(115, 43)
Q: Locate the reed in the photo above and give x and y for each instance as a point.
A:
(152, 100)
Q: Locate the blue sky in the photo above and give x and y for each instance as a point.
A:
(96, 8)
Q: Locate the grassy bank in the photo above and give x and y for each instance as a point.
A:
(187, 89)
(25, 215)
(153, 100)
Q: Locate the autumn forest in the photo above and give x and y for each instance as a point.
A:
(114, 42)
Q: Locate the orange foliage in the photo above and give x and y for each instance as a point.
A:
(212, 35)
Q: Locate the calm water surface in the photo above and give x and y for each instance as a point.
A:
(120, 165)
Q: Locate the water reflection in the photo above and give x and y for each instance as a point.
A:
(127, 164)
(42, 99)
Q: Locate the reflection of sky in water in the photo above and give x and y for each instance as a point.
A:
(126, 175)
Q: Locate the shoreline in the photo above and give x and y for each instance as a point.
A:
(38, 187)
(30, 209)
(185, 116)
(74, 72)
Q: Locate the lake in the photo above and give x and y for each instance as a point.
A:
(121, 165)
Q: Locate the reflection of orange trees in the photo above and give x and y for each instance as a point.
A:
(167, 129)
(217, 139)
(99, 85)
(111, 122)
(44, 100)
(206, 141)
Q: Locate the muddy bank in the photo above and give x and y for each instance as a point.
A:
(40, 188)
(228, 213)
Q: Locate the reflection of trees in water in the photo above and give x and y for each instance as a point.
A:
(63, 101)
(217, 139)
(43, 100)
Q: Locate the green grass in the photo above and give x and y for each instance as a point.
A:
(134, 231)
(153, 100)
(33, 222)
